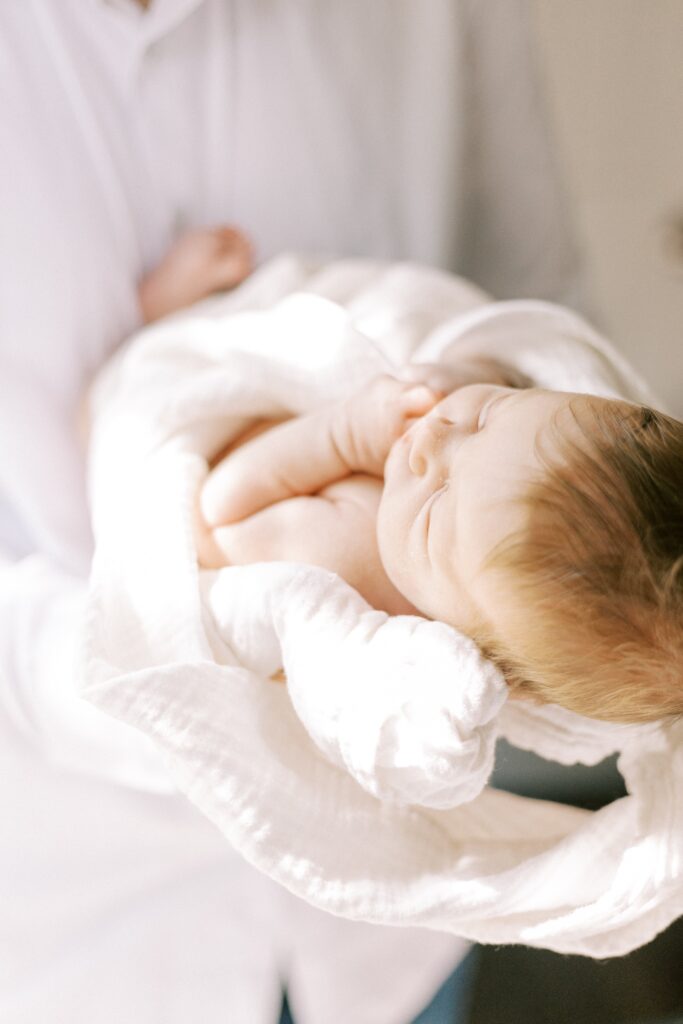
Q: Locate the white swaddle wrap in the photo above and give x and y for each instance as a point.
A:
(398, 708)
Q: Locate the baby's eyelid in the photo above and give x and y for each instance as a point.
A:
(484, 411)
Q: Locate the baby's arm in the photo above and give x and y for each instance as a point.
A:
(334, 529)
(303, 455)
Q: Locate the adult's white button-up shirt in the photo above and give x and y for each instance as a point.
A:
(392, 129)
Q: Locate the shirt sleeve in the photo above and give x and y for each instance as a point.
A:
(518, 237)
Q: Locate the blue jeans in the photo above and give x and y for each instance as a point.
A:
(450, 1005)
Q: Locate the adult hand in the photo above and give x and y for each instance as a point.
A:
(199, 263)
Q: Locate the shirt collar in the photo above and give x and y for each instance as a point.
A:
(156, 21)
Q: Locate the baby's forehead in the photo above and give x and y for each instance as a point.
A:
(568, 419)
(576, 439)
(552, 428)
(542, 417)
(591, 418)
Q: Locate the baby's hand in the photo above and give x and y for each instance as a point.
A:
(334, 530)
(303, 455)
(365, 426)
(201, 262)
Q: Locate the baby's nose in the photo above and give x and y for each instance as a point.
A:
(427, 437)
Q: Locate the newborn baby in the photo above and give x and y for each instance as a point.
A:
(546, 525)
(578, 598)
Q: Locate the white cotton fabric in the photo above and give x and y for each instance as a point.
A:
(397, 708)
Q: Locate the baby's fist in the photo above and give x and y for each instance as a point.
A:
(368, 423)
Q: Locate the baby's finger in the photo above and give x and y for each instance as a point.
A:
(419, 400)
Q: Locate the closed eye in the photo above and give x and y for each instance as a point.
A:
(486, 409)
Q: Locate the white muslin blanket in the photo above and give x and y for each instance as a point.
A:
(361, 786)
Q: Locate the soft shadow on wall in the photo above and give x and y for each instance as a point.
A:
(614, 84)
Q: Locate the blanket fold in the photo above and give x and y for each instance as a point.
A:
(408, 736)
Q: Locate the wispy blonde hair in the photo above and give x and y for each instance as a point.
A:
(597, 571)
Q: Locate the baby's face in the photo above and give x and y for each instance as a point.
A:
(451, 484)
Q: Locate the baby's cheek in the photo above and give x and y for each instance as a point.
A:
(385, 527)
(392, 543)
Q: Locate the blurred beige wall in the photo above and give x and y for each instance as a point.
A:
(614, 76)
